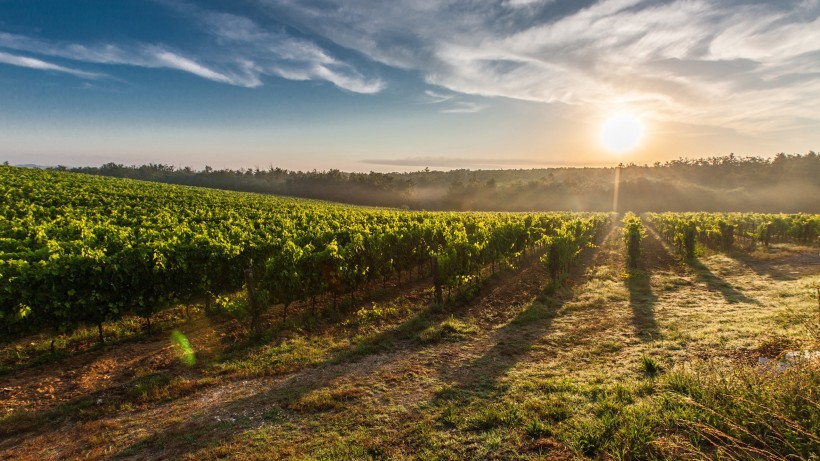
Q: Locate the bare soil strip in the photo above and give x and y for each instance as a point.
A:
(389, 389)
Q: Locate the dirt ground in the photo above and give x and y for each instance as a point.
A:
(378, 387)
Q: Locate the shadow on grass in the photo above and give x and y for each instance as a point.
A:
(714, 283)
(128, 393)
(314, 387)
(705, 275)
(207, 429)
(69, 346)
(642, 301)
(244, 406)
(323, 319)
(156, 388)
(515, 339)
(788, 267)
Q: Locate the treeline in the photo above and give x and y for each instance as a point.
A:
(784, 183)
(373, 189)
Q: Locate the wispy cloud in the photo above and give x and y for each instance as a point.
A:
(138, 55)
(463, 108)
(434, 97)
(462, 162)
(750, 65)
(241, 54)
(744, 64)
(33, 63)
(174, 61)
(520, 3)
(451, 103)
(275, 52)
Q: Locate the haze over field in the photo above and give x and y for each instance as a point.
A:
(787, 183)
(399, 86)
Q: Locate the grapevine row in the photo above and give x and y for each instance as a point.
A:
(725, 231)
(633, 234)
(77, 249)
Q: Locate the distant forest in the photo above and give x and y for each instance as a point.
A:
(784, 183)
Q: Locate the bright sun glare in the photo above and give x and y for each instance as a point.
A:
(621, 132)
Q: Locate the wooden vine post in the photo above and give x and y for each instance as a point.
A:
(252, 300)
(437, 281)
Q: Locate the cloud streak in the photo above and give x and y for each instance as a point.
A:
(241, 54)
(275, 52)
(463, 162)
(138, 55)
(33, 63)
(453, 103)
(463, 107)
(748, 65)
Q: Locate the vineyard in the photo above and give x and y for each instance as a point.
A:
(81, 249)
(726, 231)
(309, 330)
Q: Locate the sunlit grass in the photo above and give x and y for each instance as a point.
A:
(566, 375)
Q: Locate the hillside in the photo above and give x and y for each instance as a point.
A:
(606, 367)
(786, 183)
(153, 321)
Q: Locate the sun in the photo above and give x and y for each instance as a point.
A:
(621, 132)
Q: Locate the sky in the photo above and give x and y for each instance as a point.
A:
(400, 85)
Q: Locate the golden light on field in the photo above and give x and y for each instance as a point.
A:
(621, 132)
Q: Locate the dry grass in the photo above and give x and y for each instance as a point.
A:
(518, 372)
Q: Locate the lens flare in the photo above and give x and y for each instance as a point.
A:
(186, 352)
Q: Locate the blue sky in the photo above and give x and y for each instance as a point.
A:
(400, 85)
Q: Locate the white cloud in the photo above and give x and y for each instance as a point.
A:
(242, 54)
(520, 3)
(460, 162)
(274, 52)
(33, 63)
(734, 63)
(739, 64)
(463, 108)
(348, 80)
(174, 61)
(762, 39)
(138, 55)
(436, 97)
(455, 103)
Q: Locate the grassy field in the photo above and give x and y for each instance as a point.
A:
(660, 362)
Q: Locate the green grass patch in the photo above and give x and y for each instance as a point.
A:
(650, 365)
(327, 399)
(494, 416)
(163, 387)
(451, 329)
(537, 429)
(748, 411)
(272, 359)
(607, 347)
